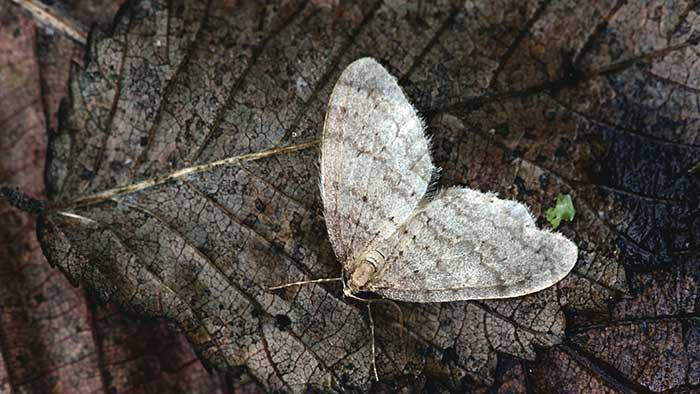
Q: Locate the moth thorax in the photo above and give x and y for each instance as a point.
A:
(365, 270)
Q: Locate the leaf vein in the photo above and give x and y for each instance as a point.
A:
(257, 52)
(170, 85)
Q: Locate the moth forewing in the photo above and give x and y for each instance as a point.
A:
(375, 160)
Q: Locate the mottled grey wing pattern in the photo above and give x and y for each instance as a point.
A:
(375, 159)
(465, 244)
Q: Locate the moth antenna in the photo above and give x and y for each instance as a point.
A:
(374, 351)
(305, 282)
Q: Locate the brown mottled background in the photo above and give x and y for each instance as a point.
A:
(639, 138)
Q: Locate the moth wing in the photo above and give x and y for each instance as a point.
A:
(464, 245)
(375, 159)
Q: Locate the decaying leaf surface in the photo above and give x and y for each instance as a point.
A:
(529, 99)
(649, 342)
(52, 338)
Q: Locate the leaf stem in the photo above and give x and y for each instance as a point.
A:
(183, 172)
(51, 18)
(21, 200)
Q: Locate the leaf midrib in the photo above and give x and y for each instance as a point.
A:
(120, 191)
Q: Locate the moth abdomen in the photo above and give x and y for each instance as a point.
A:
(366, 269)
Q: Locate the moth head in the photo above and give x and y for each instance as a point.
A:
(365, 269)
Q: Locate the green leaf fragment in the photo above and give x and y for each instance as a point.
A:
(563, 209)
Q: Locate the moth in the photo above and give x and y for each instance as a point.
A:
(396, 239)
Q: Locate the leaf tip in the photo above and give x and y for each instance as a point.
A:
(21, 201)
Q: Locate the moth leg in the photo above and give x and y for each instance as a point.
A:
(369, 303)
(350, 295)
(305, 282)
(371, 329)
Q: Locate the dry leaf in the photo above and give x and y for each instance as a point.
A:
(530, 100)
(52, 338)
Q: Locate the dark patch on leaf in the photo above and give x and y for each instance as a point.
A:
(282, 322)
(450, 356)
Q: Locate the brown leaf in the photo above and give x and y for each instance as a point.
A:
(51, 338)
(650, 342)
(39, 309)
(527, 99)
